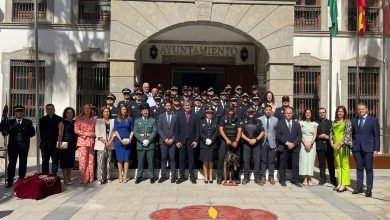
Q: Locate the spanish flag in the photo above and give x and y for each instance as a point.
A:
(361, 4)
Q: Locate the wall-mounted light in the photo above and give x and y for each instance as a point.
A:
(153, 52)
(244, 54)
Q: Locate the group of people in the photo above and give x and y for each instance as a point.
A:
(252, 128)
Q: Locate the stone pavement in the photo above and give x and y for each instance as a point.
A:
(130, 201)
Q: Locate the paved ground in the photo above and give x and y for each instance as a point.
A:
(130, 201)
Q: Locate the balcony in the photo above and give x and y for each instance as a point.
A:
(23, 11)
(372, 19)
(307, 18)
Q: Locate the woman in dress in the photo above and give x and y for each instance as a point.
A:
(269, 99)
(84, 128)
(208, 145)
(308, 147)
(66, 134)
(341, 140)
(123, 127)
(104, 145)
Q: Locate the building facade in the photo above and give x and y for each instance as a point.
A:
(88, 48)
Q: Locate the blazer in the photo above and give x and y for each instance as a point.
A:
(209, 132)
(283, 135)
(100, 132)
(270, 134)
(20, 134)
(187, 133)
(165, 130)
(367, 138)
(323, 127)
(145, 130)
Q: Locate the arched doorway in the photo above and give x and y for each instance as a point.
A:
(201, 55)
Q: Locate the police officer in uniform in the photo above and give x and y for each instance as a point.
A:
(145, 130)
(198, 107)
(110, 101)
(230, 129)
(224, 100)
(218, 110)
(176, 108)
(19, 143)
(126, 99)
(252, 133)
(279, 112)
(208, 143)
(243, 106)
(135, 109)
(257, 107)
(186, 95)
(158, 108)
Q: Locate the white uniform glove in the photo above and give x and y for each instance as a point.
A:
(145, 143)
(208, 141)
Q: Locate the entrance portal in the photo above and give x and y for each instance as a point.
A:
(198, 76)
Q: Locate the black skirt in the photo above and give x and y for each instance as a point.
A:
(67, 156)
(207, 154)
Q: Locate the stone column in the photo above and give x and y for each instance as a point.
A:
(280, 80)
(121, 76)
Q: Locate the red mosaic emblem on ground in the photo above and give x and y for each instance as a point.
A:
(201, 213)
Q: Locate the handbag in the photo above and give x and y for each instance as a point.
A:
(64, 145)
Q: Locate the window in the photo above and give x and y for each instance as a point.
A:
(23, 87)
(23, 10)
(372, 15)
(94, 11)
(93, 80)
(306, 89)
(307, 15)
(368, 90)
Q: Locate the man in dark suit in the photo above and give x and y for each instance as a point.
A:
(166, 131)
(324, 149)
(187, 137)
(48, 135)
(288, 136)
(19, 143)
(365, 146)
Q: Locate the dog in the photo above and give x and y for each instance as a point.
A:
(231, 163)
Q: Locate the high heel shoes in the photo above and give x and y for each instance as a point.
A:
(341, 190)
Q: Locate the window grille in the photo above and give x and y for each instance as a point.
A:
(23, 87)
(306, 89)
(368, 90)
(93, 80)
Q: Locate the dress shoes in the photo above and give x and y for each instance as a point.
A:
(162, 179)
(219, 182)
(283, 184)
(173, 180)
(322, 182)
(258, 182)
(180, 181)
(138, 180)
(341, 190)
(193, 181)
(296, 184)
(237, 181)
(210, 181)
(263, 180)
(245, 181)
(357, 191)
(272, 181)
(368, 193)
(152, 180)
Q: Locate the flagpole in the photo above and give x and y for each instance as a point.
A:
(384, 102)
(357, 59)
(36, 71)
(330, 74)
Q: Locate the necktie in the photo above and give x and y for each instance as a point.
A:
(196, 110)
(361, 122)
(208, 121)
(289, 126)
(169, 118)
(19, 121)
(187, 117)
(267, 123)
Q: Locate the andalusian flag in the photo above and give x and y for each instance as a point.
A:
(362, 17)
(332, 17)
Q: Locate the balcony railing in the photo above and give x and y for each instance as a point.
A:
(372, 19)
(94, 11)
(23, 10)
(307, 18)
